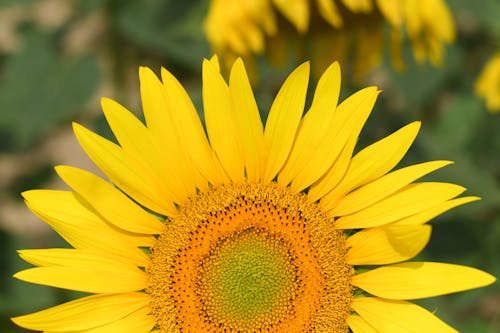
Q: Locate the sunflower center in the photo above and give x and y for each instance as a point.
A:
(248, 278)
(250, 258)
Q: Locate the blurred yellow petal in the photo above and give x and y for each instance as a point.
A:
(391, 9)
(413, 280)
(398, 316)
(387, 244)
(328, 9)
(487, 84)
(444, 29)
(297, 11)
(412, 16)
(358, 5)
(368, 49)
(348, 31)
(396, 49)
(328, 46)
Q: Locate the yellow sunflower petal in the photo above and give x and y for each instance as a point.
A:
(347, 122)
(436, 210)
(372, 162)
(248, 120)
(384, 186)
(139, 240)
(136, 140)
(125, 172)
(109, 202)
(170, 159)
(70, 257)
(358, 325)
(214, 60)
(314, 125)
(283, 120)
(412, 199)
(221, 123)
(79, 226)
(336, 172)
(190, 130)
(413, 280)
(398, 316)
(387, 244)
(137, 322)
(93, 277)
(84, 313)
(153, 103)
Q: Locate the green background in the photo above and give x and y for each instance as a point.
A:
(58, 57)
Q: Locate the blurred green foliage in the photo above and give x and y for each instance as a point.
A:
(50, 78)
(40, 88)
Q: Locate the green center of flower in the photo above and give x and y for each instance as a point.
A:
(248, 278)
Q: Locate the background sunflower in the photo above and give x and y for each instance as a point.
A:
(59, 56)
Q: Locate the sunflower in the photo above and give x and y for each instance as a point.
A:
(328, 30)
(488, 84)
(250, 228)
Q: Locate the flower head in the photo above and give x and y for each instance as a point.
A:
(328, 30)
(247, 228)
(488, 84)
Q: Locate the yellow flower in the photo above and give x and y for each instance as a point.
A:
(274, 228)
(329, 30)
(488, 84)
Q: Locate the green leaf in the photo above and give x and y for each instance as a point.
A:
(17, 297)
(39, 90)
(484, 13)
(7, 3)
(420, 83)
(169, 28)
(459, 120)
